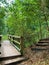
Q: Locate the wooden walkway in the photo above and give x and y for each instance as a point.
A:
(8, 49)
(9, 54)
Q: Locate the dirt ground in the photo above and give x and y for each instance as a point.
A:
(36, 57)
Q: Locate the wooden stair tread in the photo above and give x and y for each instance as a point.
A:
(9, 62)
(9, 57)
(40, 49)
(41, 45)
(43, 42)
(44, 39)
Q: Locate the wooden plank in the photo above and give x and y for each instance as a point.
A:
(15, 41)
(8, 49)
(16, 47)
(13, 61)
(14, 36)
(9, 54)
(44, 39)
(38, 49)
(43, 42)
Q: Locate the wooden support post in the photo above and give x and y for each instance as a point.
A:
(22, 45)
(10, 38)
(0, 39)
(13, 39)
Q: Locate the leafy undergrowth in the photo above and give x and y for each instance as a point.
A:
(36, 58)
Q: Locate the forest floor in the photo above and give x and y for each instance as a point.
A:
(36, 58)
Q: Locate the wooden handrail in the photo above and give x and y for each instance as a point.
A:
(14, 36)
(17, 40)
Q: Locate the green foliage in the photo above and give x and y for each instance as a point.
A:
(23, 20)
(28, 18)
(2, 14)
(5, 37)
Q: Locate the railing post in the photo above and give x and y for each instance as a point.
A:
(13, 40)
(22, 45)
(0, 39)
(10, 38)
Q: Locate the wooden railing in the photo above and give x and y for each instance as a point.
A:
(17, 41)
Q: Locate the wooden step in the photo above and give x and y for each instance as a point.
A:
(38, 49)
(9, 57)
(44, 39)
(13, 61)
(42, 44)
